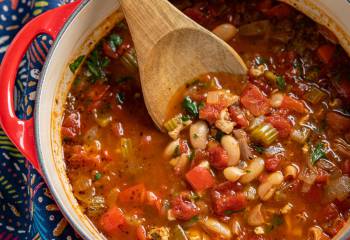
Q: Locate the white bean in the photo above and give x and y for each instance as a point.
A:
(276, 100)
(199, 135)
(225, 31)
(268, 188)
(254, 169)
(171, 148)
(233, 173)
(231, 146)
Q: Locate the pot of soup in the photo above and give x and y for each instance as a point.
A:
(265, 157)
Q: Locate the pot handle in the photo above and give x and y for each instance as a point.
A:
(21, 132)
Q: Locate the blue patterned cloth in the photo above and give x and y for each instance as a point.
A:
(27, 209)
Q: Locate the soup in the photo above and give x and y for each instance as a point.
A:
(264, 157)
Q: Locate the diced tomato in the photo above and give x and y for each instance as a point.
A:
(133, 195)
(210, 112)
(218, 157)
(141, 233)
(326, 52)
(329, 212)
(346, 166)
(338, 121)
(183, 208)
(200, 178)
(112, 220)
(281, 10)
(293, 104)
(71, 125)
(225, 197)
(238, 116)
(282, 124)
(254, 100)
(97, 91)
(271, 164)
(107, 50)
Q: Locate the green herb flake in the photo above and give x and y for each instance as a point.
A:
(190, 106)
(192, 221)
(276, 221)
(281, 83)
(98, 176)
(185, 118)
(115, 41)
(194, 196)
(76, 63)
(318, 153)
(120, 97)
(195, 136)
(192, 155)
(96, 63)
(177, 151)
(259, 149)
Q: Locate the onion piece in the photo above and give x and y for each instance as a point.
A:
(338, 188)
(216, 227)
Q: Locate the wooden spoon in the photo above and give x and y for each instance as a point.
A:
(172, 50)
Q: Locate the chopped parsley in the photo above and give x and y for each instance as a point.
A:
(76, 63)
(281, 83)
(185, 118)
(230, 212)
(98, 176)
(115, 41)
(259, 149)
(95, 64)
(276, 221)
(318, 153)
(190, 106)
(260, 60)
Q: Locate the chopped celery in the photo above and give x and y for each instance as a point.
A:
(263, 132)
(126, 147)
(315, 95)
(300, 134)
(129, 60)
(173, 123)
(178, 233)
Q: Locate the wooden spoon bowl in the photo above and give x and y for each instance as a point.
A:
(172, 50)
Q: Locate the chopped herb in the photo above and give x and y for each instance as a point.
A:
(120, 97)
(96, 63)
(297, 64)
(98, 176)
(318, 153)
(247, 171)
(156, 236)
(76, 63)
(230, 212)
(185, 118)
(190, 106)
(176, 151)
(281, 83)
(121, 25)
(201, 105)
(195, 136)
(276, 221)
(313, 73)
(259, 149)
(260, 60)
(115, 41)
(123, 79)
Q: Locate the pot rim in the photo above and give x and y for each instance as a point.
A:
(45, 173)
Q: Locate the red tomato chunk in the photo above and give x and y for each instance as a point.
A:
(254, 100)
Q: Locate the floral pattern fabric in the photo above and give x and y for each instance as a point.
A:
(27, 209)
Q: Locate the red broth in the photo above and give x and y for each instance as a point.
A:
(259, 158)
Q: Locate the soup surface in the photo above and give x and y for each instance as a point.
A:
(266, 157)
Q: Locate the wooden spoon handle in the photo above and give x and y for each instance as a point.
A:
(150, 20)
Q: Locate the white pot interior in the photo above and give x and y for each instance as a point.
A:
(80, 35)
(92, 21)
